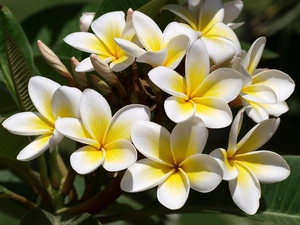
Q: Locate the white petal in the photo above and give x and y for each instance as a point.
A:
(143, 175)
(224, 84)
(232, 10)
(239, 66)
(55, 139)
(254, 54)
(268, 167)
(75, 130)
(95, 113)
(211, 13)
(174, 191)
(129, 47)
(259, 94)
(85, 21)
(37, 147)
(258, 136)
(279, 82)
(178, 109)
(276, 109)
(65, 102)
(234, 26)
(255, 111)
(122, 63)
(109, 26)
(229, 168)
(41, 90)
(153, 141)
(188, 138)
(157, 58)
(87, 159)
(86, 42)
(214, 112)
(203, 172)
(121, 123)
(245, 191)
(196, 66)
(85, 66)
(28, 123)
(119, 155)
(144, 26)
(169, 81)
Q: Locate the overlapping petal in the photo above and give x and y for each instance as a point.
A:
(85, 66)
(87, 159)
(130, 47)
(259, 94)
(255, 111)
(154, 58)
(276, 109)
(211, 13)
(232, 10)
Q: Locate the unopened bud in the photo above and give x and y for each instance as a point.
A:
(101, 84)
(80, 77)
(52, 59)
(129, 15)
(86, 20)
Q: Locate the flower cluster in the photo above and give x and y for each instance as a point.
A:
(197, 70)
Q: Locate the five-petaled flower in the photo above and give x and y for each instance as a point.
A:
(244, 167)
(107, 137)
(206, 17)
(173, 162)
(264, 90)
(106, 28)
(199, 93)
(52, 102)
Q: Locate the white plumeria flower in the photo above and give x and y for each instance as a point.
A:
(265, 91)
(199, 93)
(173, 162)
(106, 28)
(107, 138)
(231, 11)
(85, 21)
(52, 102)
(161, 49)
(244, 167)
(206, 17)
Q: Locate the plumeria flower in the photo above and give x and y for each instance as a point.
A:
(161, 49)
(232, 10)
(52, 102)
(244, 167)
(107, 27)
(264, 90)
(199, 93)
(107, 137)
(207, 17)
(173, 162)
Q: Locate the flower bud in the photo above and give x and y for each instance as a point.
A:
(80, 77)
(86, 20)
(101, 85)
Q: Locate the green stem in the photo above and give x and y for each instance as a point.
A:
(54, 169)
(67, 185)
(43, 170)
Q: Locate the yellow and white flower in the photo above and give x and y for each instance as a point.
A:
(206, 17)
(264, 90)
(161, 49)
(107, 27)
(232, 10)
(107, 137)
(244, 167)
(52, 102)
(200, 93)
(174, 162)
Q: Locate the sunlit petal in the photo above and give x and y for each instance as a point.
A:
(214, 112)
(153, 141)
(154, 59)
(258, 136)
(239, 66)
(203, 172)
(85, 66)
(232, 10)
(245, 190)
(188, 138)
(259, 94)
(65, 102)
(37, 147)
(255, 111)
(268, 167)
(178, 109)
(276, 109)
(41, 90)
(196, 66)
(281, 83)
(55, 139)
(144, 26)
(95, 113)
(28, 123)
(87, 159)
(121, 63)
(169, 81)
(212, 12)
(224, 84)
(121, 123)
(120, 155)
(174, 191)
(229, 168)
(143, 175)
(130, 47)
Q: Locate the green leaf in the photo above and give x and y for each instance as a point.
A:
(16, 61)
(38, 216)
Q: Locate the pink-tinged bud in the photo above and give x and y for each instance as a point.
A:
(80, 77)
(129, 15)
(86, 20)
